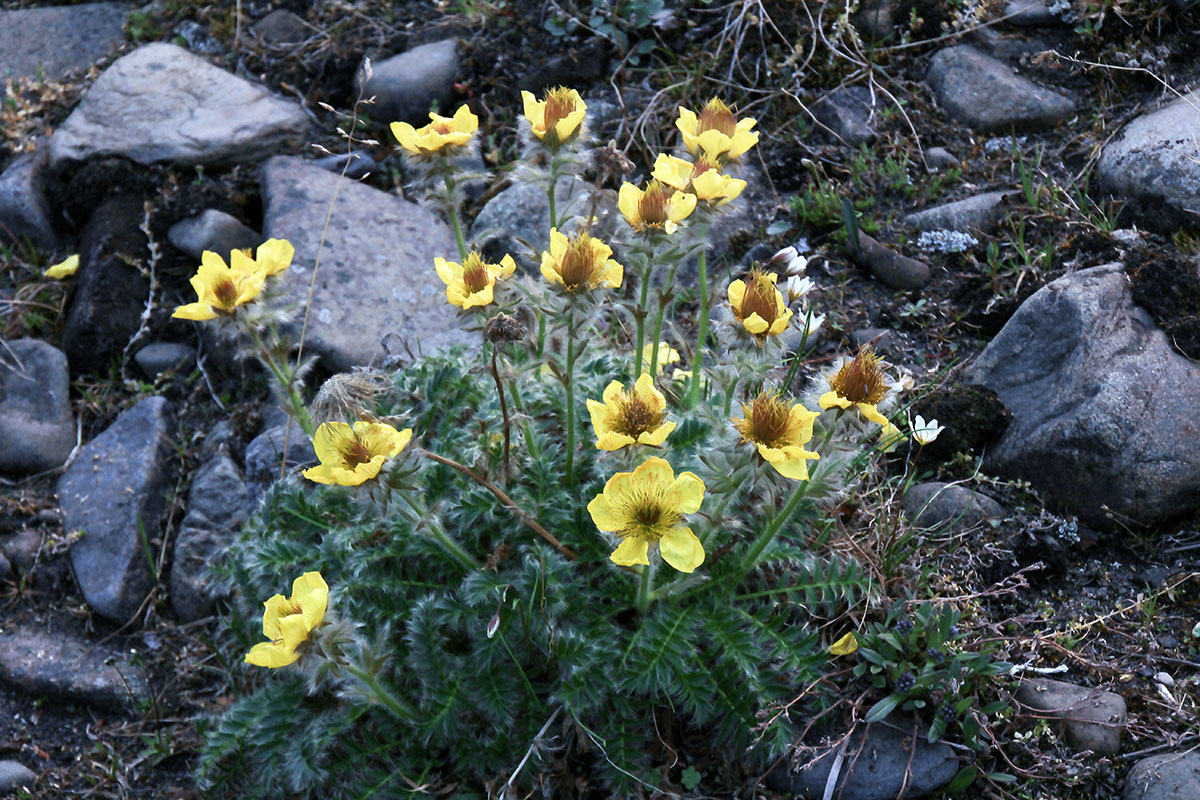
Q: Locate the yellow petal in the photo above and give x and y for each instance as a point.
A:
(632, 550)
(319, 474)
(406, 135)
(549, 264)
(312, 593)
(644, 390)
(686, 123)
(63, 269)
(737, 293)
(680, 206)
(507, 267)
(275, 608)
(611, 275)
(381, 438)
(269, 654)
(681, 549)
(628, 199)
(481, 298)
(872, 413)
(613, 440)
(656, 437)
(601, 418)
(831, 399)
(532, 109)
(755, 324)
(845, 645)
(327, 438)
(675, 172)
(275, 255)
(194, 311)
(602, 514)
(448, 271)
(687, 492)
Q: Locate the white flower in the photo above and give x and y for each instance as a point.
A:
(813, 323)
(925, 432)
(789, 261)
(797, 288)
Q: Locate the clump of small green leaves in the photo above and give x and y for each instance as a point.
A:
(919, 657)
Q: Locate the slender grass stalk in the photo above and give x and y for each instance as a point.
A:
(702, 330)
(664, 300)
(569, 382)
(640, 316)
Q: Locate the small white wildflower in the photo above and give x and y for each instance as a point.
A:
(789, 261)
(925, 432)
(814, 323)
(798, 288)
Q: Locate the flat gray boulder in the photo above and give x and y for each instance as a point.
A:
(376, 292)
(160, 103)
(37, 426)
(938, 505)
(988, 95)
(24, 212)
(114, 491)
(408, 86)
(58, 39)
(980, 213)
(69, 669)
(1158, 156)
(1093, 718)
(1103, 408)
(1172, 776)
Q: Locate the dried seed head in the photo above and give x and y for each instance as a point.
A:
(504, 328)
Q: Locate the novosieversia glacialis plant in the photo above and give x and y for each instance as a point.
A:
(488, 583)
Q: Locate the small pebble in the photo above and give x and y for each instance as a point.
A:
(1164, 679)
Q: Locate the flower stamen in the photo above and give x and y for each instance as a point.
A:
(716, 116)
(861, 379)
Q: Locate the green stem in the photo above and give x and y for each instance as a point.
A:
(452, 547)
(702, 333)
(541, 336)
(664, 300)
(773, 527)
(555, 167)
(394, 704)
(644, 586)
(452, 212)
(286, 381)
(640, 316)
(569, 380)
(798, 357)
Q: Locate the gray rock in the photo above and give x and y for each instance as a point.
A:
(22, 550)
(264, 455)
(14, 775)
(408, 86)
(1103, 407)
(198, 39)
(58, 39)
(980, 213)
(282, 27)
(1174, 776)
(6, 570)
(1030, 13)
(160, 103)
(849, 112)
(110, 291)
(879, 338)
(876, 18)
(940, 158)
(987, 95)
(379, 247)
(212, 230)
(115, 491)
(158, 357)
(1158, 156)
(937, 505)
(218, 505)
(881, 762)
(1093, 718)
(360, 164)
(516, 221)
(37, 427)
(24, 213)
(897, 271)
(69, 669)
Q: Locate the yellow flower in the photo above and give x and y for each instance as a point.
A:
(221, 289)
(666, 355)
(716, 131)
(441, 133)
(779, 432)
(580, 262)
(472, 282)
(657, 207)
(288, 621)
(351, 456)
(844, 646)
(556, 119)
(646, 507)
(702, 179)
(759, 306)
(860, 384)
(63, 269)
(626, 418)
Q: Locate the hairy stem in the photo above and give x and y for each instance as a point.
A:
(702, 331)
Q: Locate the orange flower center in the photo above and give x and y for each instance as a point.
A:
(578, 263)
(861, 380)
(765, 420)
(635, 417)
(560, 104)
(354, 452)
(760, 298)
(442, 128)
(654, 207)
(226, 293)
(648, 518)
(475, 274)
(716, 116)
(702, 166)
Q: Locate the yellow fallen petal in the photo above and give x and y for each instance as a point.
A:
(63, 269)
(844, 646)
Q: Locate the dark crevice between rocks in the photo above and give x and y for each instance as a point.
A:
(1167, 285)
